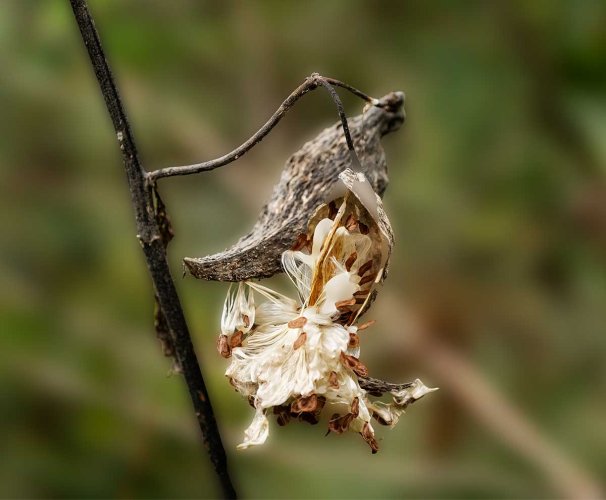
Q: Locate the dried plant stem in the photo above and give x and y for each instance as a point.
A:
(378, 387)
(311, 83)
(150, 237)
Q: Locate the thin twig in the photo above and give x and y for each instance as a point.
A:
(350, 146)
(151, 240)
(353, 90)
(311, 83)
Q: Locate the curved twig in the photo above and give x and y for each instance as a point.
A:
(312, 82)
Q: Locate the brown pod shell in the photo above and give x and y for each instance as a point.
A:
(307, 181)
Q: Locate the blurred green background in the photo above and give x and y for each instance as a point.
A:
(497, 291)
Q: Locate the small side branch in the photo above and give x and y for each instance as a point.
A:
(311, 83)
(153, 244)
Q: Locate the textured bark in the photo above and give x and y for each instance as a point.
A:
(378, 387)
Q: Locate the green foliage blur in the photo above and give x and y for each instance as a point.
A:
(497, 198)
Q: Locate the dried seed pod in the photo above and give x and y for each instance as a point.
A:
(307, 180)
(328, 277)
(359, 203)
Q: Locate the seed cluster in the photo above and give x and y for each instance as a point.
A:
(294, 358)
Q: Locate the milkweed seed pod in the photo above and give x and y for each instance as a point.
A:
(306, 182)
(300, 356)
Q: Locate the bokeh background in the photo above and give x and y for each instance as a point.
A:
(497, 291)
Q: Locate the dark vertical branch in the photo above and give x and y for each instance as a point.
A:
(151, 240)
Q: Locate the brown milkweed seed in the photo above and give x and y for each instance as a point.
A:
(301, 339)
(369, 438)
(355, 407)
(351, 224)
(354, 364)
(236, 339)
(350, 261)
(339, 424)
(300, 242)
(223, 346)
(366, 279)
(364, 326)
(345, 303)
(305, 404)
(364, 268)
(298, 322)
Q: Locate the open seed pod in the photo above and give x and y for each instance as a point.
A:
(294, 357)
(351, 234)
(307, 181)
